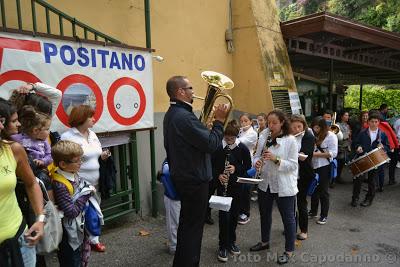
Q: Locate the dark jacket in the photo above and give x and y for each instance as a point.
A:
(188, 144)
(364, 140)
(306, 170)
(238, 157)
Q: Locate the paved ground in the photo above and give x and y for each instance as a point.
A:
(352, 237)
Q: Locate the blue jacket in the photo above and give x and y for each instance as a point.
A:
(188, 144)
(364, 140)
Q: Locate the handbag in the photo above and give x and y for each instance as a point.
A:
(52, 232)
(313, 185)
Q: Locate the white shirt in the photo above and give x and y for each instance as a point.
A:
(373, 135)
(330, 144)
(396, 127)
(282, 178)
(249, 139)
(89, 170)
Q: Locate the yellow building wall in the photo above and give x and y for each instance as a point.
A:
(189, 35)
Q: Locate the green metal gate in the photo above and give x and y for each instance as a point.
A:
(126, 197)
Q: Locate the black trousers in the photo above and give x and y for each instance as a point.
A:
(287, 209)
(67, 257)
(372, 175)
(194, 203)
(392, 164)
(321, 192)
(245, 200)
(302, 204)
(228, 220)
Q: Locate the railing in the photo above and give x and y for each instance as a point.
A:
(76, 26)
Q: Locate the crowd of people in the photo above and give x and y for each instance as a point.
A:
(292, 160)
(68, 168)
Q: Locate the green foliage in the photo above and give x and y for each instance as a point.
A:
(373, 97)
(379, 13)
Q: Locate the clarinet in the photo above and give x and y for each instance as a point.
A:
(266, 146)
(226, 172)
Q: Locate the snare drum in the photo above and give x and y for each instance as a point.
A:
(369, 161)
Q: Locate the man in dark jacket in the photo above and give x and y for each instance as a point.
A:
(188, 144)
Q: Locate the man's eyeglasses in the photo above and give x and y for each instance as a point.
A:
(186, 88)
(2, 120)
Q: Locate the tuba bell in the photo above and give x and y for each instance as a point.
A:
(217, 83)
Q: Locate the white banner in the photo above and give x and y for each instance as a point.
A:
(116, 82)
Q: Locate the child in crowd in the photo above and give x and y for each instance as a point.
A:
(172, 207)
(237, 157)
(71, 194)
(248, 137)
(35, 129)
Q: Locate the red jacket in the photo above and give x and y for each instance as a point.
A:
(387, 129)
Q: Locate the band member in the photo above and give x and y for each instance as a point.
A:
(366, 141)
(188, 144)
(344, 144)
(248, 137)
(279, 166)
(326, 148)
(232, 159)
(306, 142)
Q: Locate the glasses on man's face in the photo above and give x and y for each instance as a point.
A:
(187, 88)
(2, 120)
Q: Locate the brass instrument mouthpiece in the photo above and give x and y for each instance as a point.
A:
(198, 97)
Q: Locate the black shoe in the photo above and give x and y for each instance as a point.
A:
(380, 190)
(223, 255)
(284, 258)
(332, 185)
(392, 182)
(366, 203)
(312, 215)
(259, 246)
(354, 202)
(235, 250)
(209, 220)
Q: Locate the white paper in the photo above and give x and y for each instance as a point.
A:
(248, 180)
(220, 203)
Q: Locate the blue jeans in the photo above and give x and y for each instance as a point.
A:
(28, 252)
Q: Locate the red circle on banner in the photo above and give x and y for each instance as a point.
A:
(111, 104)
(79, 78)
(18, 75)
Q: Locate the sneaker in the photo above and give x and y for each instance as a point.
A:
(322, 220)
(243, 219)
(235, 250)
(312, 215)
(223, 255)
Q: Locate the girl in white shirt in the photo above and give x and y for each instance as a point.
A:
(326, 149)
(279, 165)
(247, 136)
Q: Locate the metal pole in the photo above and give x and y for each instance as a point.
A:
(330, 83)
(152, 144)
(360, 103)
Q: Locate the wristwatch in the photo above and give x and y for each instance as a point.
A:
(278, 160)
(41, 218)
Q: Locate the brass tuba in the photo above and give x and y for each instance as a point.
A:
(217, 82)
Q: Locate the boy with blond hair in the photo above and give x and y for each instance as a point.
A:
(71, 194)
